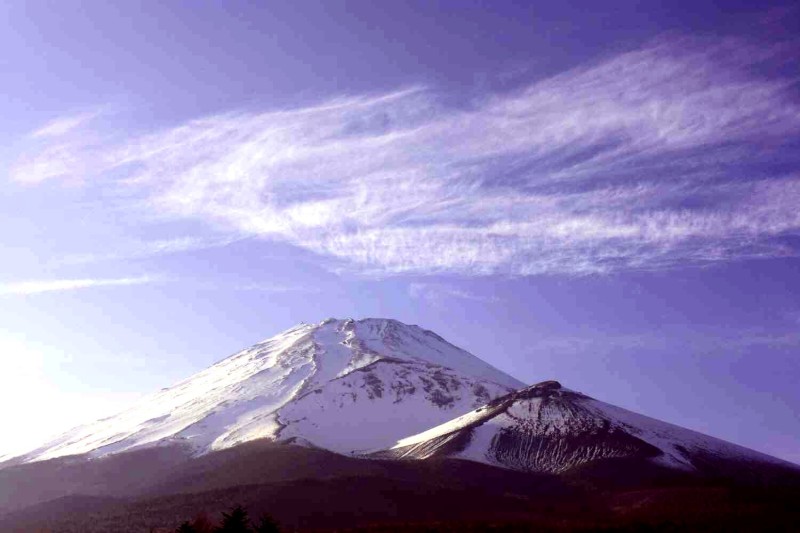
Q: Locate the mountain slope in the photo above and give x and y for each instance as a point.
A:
(342, 385)
(312, 489)
(548, 428)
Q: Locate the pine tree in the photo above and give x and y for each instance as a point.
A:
(235, 522)
(186, 527)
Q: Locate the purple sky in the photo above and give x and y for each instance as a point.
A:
(604, 196)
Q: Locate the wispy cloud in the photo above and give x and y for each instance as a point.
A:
(26, 288)
(678, 153)
(64, 125)
(701, 341)
(34, 287)
(439, 293)
(148, 249)
(62, 148)
(276, 288)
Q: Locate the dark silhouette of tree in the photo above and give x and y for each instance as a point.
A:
(267, 524)
(235, 521)
(186, 527)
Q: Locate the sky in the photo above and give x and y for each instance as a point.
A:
(606, 195)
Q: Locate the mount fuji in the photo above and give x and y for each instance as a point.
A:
(376, 421)
(341, 385)
(356, 386)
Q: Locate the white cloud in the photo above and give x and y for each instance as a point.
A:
(439, 293)
(63, 125)
(276, 288)
(146, 249)
(64, 148)
(654, 158)
(26, 288)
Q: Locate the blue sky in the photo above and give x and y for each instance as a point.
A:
(602, 195)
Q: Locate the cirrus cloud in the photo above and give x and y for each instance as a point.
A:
(679, 153)
(27, 288)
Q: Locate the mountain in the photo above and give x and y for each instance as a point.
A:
(378, 424)
(547, 428)
(342, 385)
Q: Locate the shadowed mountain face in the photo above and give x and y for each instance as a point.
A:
(123, 474)
(312, 489)
(62, 489)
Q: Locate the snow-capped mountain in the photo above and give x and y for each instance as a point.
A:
(370, 391)
(549, 428)
(343, 385)
(354, 387)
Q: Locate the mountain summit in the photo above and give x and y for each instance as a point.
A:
(344, 385)
(383, 389)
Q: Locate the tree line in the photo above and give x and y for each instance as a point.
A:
(234, 521)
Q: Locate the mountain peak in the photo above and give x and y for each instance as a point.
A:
(549, 385)
(356, 386)
(308, 384)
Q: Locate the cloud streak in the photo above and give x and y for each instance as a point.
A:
(276, 288)
(64, 125)
(680, 153)
(154, 248)
(28, 288)
(440, 293)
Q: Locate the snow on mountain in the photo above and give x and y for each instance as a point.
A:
(548, 428)
(343, 385)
